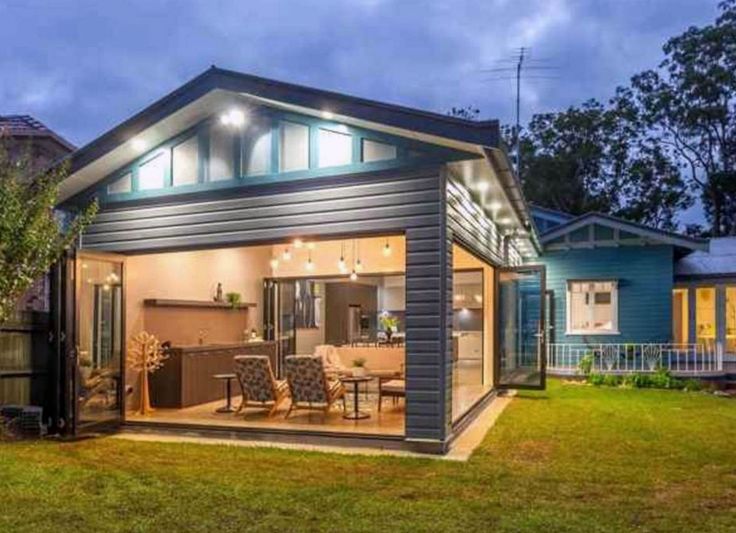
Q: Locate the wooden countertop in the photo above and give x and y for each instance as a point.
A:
(190, 348)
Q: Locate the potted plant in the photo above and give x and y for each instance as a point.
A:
(233, 298)
(389, 324)
(359, 369)
(85, 366)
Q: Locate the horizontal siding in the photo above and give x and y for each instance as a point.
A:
(390, 202)
(645, 276)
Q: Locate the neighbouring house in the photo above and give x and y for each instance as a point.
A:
(292, 247)
(23, 340)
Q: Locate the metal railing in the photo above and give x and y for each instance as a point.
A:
(611, 358)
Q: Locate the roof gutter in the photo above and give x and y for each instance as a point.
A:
(499, 161)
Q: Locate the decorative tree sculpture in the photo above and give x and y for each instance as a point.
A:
(145, 356)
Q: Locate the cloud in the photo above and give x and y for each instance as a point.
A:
(82, 66)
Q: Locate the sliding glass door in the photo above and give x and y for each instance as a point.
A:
(521, 318)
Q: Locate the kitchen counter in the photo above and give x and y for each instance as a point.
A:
(186, 376)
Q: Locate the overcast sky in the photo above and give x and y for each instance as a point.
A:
(84, 66)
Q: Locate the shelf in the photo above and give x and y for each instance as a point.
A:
(199, 304)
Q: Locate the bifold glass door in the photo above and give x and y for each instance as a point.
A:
(279, 313)
(99, 341)
(521, 319)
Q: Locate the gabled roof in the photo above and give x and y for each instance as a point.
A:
(719, 260)
(485, 133)
(645, 233)
(26, 127)
(550, 214)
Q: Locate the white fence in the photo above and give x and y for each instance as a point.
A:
(609, 358)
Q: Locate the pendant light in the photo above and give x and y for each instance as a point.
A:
(341, 263)
(286, 256)
(358, 262)
(309, 265)
(274, 263)
(298, 243)
(387, 248)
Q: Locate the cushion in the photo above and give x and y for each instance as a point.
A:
(395, 385)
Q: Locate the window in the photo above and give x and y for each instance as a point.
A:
(680, 316)
(335, 148)
(592, 307)
(221, 153)
(185, 169)
(257, 153)
(731, 320)
(121, 185)
(294, 147)
(377, 151)
(705, 315)
(151, 173)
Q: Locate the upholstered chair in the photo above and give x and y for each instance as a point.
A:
(309, 384)
(259, 386)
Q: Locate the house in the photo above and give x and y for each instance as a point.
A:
(635, 296)
(241, 216)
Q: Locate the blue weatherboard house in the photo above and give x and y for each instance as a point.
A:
(324, 268)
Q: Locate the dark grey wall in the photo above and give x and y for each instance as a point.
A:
(409, 202)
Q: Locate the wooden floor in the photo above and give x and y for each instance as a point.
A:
(467, 389)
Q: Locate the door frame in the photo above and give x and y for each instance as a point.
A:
(71, 354)
(541, 333)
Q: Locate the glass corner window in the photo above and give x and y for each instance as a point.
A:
(151, 173)
(592, 307)
(185, 162)
(705, 315)
(256, 154)
(377, 151)
(294, 147)
(335, 148)
(680, 316)
(122, 185)
(222, 142)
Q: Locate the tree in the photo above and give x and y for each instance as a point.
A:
(596, 158)
(32, 238)
(689, 105)
(468, 112)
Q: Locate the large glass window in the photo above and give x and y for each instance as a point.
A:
(294, 147)
(731, 320)
(680, 316)
(592, 307)
(185, 162)
(151, 173)
(335, 148)
(221, 153)
(705, 315)
(121, 185)
(377, 151)
(257, 152)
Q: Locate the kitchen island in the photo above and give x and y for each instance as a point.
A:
(186, 376)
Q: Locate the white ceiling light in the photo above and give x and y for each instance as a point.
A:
(483, 186)
(495, 206)
(327, 115)
(234, 117)
(139, 145)
(504, 220)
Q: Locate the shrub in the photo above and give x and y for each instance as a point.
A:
(585, 365)
(693, 385)
(611, 380)
(596, 379)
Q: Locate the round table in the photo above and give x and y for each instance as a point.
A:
(228, 379)
(356, 414)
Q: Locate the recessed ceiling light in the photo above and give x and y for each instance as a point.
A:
(483, 186)
(234, 117)
(139, 145)
(494, 206)
(327, 115)
(504, 220)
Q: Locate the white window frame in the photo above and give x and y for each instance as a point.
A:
(614, 306)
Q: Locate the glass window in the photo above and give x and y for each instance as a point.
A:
(221, 153)
(294, 147)
(151, 173)
(121, 185)
(185, 169)
(705, 315)
(376, 151)
(680, 316)
(257, 153)
(592, 307)
(335, 148)
(731, 320)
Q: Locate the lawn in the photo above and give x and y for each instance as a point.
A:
(573, 458)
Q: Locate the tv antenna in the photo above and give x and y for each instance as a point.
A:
(521, 64)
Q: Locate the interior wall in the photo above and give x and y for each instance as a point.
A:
(194, 276)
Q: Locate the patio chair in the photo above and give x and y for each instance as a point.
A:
(309, 384)
(393, 388)
(258, 383)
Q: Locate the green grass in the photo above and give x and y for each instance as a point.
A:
(573, 458)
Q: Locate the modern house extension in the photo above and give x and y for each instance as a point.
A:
(294, 248)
